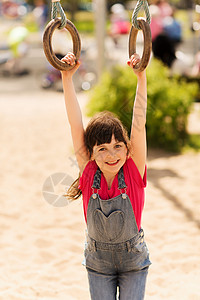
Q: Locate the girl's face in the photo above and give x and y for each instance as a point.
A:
(110, 157)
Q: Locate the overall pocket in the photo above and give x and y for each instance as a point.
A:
(100, 261)
(109, 227)
(140, 246)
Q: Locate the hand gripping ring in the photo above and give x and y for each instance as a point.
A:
(147, 44)
(47, 44)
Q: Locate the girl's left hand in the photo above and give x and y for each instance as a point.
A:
(134, 59)
(70, 59)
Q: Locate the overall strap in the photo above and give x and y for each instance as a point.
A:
(97, 180)
(121, 180)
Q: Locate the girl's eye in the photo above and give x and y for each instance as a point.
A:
(102, 149)
(118, 146)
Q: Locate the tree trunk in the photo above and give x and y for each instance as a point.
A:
(73, 8)
(100, 26)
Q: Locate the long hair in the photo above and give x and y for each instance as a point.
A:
(99, 131)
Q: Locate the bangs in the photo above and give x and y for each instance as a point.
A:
(101, 129)
(105, 132)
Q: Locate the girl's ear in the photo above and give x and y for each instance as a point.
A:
(92, 157)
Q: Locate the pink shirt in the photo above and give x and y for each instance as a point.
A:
(156, 27)
(165, 9)
(135, 187)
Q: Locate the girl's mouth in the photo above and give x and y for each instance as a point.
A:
(114, 163)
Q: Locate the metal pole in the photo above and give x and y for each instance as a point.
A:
(100, 22)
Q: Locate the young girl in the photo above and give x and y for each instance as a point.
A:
(112, 182)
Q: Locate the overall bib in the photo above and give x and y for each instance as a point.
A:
(113, 246)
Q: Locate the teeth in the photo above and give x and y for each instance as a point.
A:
(112, 163)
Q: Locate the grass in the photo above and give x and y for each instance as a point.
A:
(85, 22)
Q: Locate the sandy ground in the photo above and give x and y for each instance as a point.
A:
(42, 245)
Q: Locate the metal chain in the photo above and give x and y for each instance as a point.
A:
(56, 7)
(139, 4)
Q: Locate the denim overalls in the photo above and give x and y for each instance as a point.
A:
(114, 246)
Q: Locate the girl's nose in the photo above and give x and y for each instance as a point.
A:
(111, 153)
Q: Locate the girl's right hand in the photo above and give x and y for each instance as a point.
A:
(71, 60)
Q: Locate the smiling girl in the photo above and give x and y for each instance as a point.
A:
(112, 181)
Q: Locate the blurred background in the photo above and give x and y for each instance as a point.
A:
(41, 243)
(104, 26)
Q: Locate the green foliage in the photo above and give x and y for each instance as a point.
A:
(169, 103)
(84, 27)
(193, 143)
(115, 93)
(84, 21)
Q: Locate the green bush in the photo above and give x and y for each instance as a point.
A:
(169, 103)
(84, 22)
(84, 26)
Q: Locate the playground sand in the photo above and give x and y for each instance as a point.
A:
(42, 245)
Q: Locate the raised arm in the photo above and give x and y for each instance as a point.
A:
(74, 113)
(138, 130)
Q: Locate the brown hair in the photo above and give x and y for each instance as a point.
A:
(101, 128)
(99, 131)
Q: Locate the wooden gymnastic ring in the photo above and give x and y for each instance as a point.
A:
(147, 44)
(47, 43)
